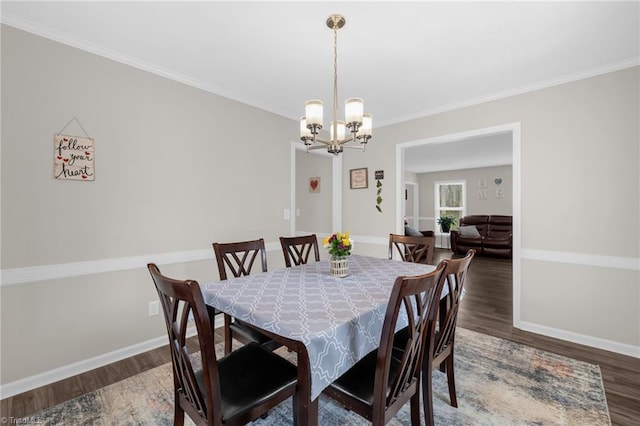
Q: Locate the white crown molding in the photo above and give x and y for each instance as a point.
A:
(78, 43)
(86, 46)
(568, 78)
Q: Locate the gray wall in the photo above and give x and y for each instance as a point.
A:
(579, 276)
(475, 203)
(314, 207)
(177, 170)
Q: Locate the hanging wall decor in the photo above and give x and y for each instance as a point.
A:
(314, 184)
(73, 156)
(379, 174)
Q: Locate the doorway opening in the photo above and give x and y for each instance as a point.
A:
(513, 130)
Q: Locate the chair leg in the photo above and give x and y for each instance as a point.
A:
(227, 335)
(451, 380)
(415, 409)
(427, 394)
(178, 412)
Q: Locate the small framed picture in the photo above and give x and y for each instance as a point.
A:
(314, 184)
(359, 178)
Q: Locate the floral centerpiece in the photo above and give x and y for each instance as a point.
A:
(338, 244)
(339, 247)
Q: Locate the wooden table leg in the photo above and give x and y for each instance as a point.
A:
(305, 409)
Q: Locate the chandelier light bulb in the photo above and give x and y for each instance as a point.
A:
(353, 109)
(313, 112)
(367, 126)
(305, 132)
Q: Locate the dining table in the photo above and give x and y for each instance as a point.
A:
(331, 323)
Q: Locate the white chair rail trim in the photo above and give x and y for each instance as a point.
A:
(16, 276)
(615, 262)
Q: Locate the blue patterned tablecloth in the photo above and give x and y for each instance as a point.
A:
(339, 320)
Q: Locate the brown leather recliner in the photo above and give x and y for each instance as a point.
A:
(494, 235)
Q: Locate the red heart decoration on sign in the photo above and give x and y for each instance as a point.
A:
(66, 160)
(84, 177)
(314, 184)
(65, 139)
(87, 153)
(59, 158)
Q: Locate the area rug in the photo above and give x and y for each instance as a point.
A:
(498, 383)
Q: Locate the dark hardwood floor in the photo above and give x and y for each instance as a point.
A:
(487, 308)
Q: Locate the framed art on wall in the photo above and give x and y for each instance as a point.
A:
(314, 184)
(358, 178)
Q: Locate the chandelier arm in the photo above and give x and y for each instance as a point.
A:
(313, 147)
(351, 138)
(360, 147)
(322, 140)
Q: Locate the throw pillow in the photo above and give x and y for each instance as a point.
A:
(469, 231)
(412, 232)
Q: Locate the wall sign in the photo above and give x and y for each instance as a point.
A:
(359, 178)
(73, 157)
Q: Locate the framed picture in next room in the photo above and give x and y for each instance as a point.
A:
(358, 178)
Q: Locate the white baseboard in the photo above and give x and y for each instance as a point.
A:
(581, 339)
(57, 374)
(26, 275)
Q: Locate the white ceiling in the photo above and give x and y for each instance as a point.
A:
(405, 59)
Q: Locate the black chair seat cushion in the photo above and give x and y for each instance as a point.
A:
(239, 388)
(401, 336)
(250, 334)
(358, 381)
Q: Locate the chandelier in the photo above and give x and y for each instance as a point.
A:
(358, 123)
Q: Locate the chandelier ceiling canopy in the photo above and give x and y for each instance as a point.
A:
(356, 121)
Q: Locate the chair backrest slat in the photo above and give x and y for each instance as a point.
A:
(239, 257)
(412, 249)
(298, 249)
(180, 301)
(418, 297)
(454, 277)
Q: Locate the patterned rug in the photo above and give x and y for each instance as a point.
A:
(498, 383)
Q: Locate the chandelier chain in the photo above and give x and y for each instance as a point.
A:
(335, 85)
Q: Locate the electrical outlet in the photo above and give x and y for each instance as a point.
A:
(154, 308)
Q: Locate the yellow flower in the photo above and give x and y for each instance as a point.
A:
(325, 241)
(346, 242)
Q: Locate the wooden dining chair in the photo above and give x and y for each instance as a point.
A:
(298, 249)
(232, 390)
(385, 380)
(453, 279)
(412, 249)
(240, 258)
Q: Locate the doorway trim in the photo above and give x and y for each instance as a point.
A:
(415, 207)
(516, 171)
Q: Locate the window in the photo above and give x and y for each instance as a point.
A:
(450, 200)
